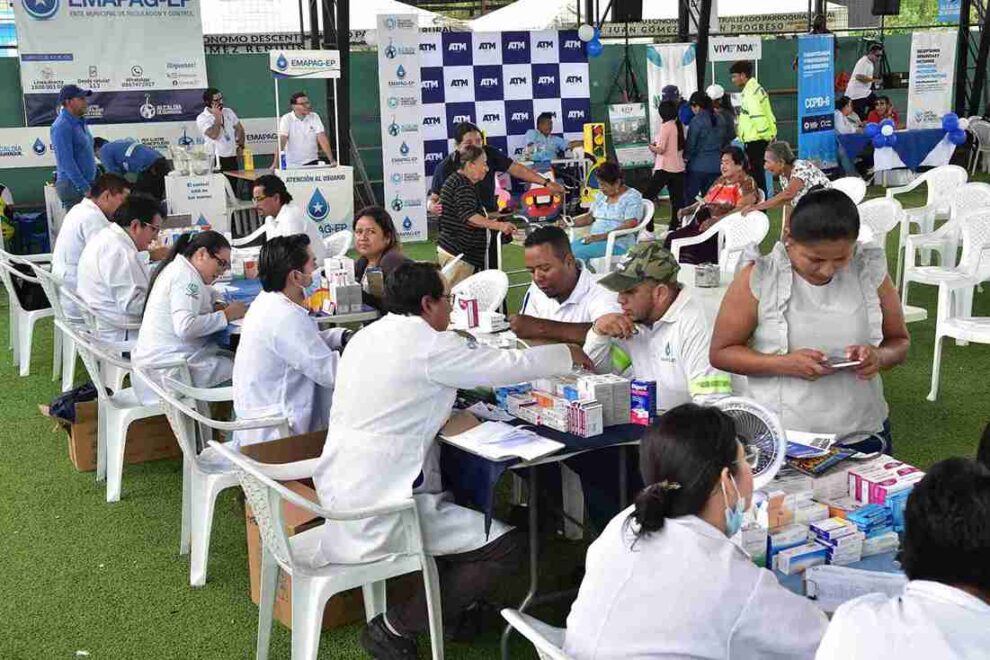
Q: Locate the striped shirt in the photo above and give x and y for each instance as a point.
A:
(459, 198)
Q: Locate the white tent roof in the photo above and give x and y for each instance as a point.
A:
(540, 14)
(273, 16)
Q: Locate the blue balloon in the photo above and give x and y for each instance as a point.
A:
(594, 48)
(950, 121)
(879, 141)
(957, 137)
(872, 130)
(891, 140)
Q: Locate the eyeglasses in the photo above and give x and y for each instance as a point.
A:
(154, 228)
(224, 264)
(752, 455)
(305, 103)
(260, 198)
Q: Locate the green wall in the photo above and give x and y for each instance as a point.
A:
(249, 89)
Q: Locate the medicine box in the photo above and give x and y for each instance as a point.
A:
(800, 558)
(809, 512)
(876, 545)
(555, 419)
(786, 537)
(530, 413)
(585, 419)
(596, 388)
(754, 543)
(832, 528)
(339, 265)
(343, 299)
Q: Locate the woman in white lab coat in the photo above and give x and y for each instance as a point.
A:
(397, 382)
(283, 218)
(285, 365)
(664, 580)
(184, 313)
(944, 611)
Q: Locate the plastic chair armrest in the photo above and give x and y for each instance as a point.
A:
(678, 243)
(244, 240)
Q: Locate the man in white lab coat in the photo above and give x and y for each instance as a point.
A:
(564, 299)
(80, 224)
(397, 383)
(284, 364)
(662, 328)
(944, 611)
(113, 270)
(282, 218)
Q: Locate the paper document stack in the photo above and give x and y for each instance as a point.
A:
(497, 441)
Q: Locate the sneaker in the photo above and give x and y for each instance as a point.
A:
(645, 236)
(382, 644)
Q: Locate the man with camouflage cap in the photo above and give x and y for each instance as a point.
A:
(662, 328)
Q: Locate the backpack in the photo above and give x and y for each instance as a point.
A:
(30, 294)
(63, 407)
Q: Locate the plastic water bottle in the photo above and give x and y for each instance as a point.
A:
(248, 159)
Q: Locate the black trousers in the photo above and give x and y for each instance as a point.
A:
(152, 180)
(754, 153)
(674, 181)
(862, 106)
(465, 577)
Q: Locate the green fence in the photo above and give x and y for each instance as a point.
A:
(249, 89)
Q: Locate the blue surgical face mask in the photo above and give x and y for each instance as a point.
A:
(314, 284)
(733, 516)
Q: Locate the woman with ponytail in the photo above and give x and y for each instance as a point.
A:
(183, 311)
(665, 580)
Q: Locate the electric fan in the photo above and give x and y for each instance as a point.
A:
(761, 434)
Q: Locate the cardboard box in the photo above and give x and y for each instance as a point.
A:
(148, 439)
(343, 608)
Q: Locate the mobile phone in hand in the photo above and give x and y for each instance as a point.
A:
(841, 362)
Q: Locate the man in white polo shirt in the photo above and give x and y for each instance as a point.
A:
(860, 86)
(223, 133)
(662, 328)
(563, 300)
(299, 133)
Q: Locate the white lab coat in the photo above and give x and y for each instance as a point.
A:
(177, 325)
(113, 280)
(293, 220)
(284, 366)
(929, 620)
(686, 591)
(398, 381)
(81, 223)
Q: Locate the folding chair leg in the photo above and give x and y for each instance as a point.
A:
(266, 603)
(936, 368)
(374, 599)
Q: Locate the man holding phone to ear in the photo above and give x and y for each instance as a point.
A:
(222, 131)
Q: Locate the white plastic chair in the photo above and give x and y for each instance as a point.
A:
(338, 243)
(980, 128)
(313, 584)
(546, 639)
(489, 287)
(204, 474)
(852, 186)
(942, 184)
(93, 321)
(23, 320)
(604, 264)
(235, 206)
(954, 318)
(736, 233)
(116, 410)
(448, 269)
(66, 366)
(880, 216)
(967, 200)
(246, 240)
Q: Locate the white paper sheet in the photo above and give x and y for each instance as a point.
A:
(831, 586)
(498, 441)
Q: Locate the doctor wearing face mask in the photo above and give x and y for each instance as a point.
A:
(665, 580)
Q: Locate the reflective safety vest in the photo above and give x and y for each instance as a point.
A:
(756, 120)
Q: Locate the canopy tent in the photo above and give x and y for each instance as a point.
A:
(282, 16)
(542, 14)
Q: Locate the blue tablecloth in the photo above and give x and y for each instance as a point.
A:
(912, 146)
(472, 479)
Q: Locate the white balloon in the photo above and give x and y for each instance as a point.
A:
(887, 130)
(963, 123)
(586, 33)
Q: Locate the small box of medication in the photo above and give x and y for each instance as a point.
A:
(620, 399)
(339, 265)
(783, 538)
(502, 393)
(832, 529)
(530, 413)
(800, 558)
(596, 388)
(643, 396)
(555, 419)
(875, 545)
(809, 512)
(514, 401)
(754, 543)
(585, 418)
(468, 311)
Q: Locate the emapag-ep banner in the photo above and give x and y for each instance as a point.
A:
(669, 64)
(933, 58)
(143, 59)
(816, 100)
(402, 121)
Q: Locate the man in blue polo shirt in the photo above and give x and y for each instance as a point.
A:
(142, 165)
(542, 145)
(75, 161)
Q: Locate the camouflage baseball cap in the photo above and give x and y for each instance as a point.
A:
(648, 260)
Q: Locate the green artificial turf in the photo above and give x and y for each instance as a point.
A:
(78, 574)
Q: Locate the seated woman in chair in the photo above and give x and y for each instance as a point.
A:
(617, 206)
(732, 191)
(377, 243)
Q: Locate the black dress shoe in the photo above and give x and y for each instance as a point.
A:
(382, 644)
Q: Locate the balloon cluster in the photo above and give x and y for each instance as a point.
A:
(955, 128)
(881, 134)
(591, 36)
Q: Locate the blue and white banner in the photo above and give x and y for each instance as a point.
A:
(327, 194)
(501, 81)
(669, 64)
(932, 77)
(816, 100)
(304, 63)
(948, 11)
(143, 59)
(402, 123)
